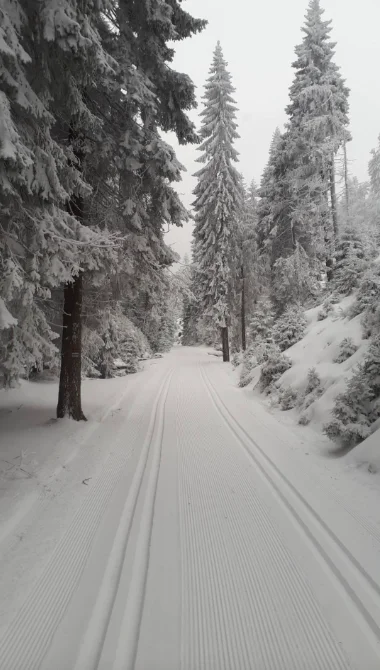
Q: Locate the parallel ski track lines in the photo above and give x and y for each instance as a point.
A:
(93, 641)
(370, 527)
(128, 639)
(270, 467)
(221, 632)
(29, 635)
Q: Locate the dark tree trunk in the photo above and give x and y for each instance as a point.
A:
(69, 397)
(329, 223)
(346, 194)
(334, 208)
(242, 313)
(225, 344)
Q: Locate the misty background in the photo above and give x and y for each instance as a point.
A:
(258, 41)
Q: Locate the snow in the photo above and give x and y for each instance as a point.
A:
(368, 453)
(183, 526)
(6, 318)
(318, 349)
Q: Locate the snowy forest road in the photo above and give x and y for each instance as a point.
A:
(208, 541)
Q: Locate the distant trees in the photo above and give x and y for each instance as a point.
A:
(280, 239)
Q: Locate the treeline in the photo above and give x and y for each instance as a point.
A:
(86, 182)
(309, 228)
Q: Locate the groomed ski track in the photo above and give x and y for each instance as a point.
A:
(205, 542)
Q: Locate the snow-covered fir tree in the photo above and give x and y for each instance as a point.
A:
(82, 161)
(352, 260)
(250, 278)
(357, 409)
(267, 204)
(261, 323)
(317, 127)
(374, 195)
(374, 168)
(298, 208)
(218, 200)
(293, 280)
(46, 58)
(289, 328)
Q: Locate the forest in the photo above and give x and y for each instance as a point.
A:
(89, 186)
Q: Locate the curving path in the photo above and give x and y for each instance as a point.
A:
(206, 542)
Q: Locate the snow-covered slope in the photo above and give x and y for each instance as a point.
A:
(318, 349)
(367, 453)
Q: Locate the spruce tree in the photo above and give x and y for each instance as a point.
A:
(262, 321)
(83, 100)
(249, 270)
(317, 128)
(358, 408)
(218, 201)
(43, 57)
(374, 168)
(266, 208)
(298, 208)
(374, 195)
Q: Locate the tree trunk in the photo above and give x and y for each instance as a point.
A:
(346, 194)
(69, 397)
(242, 314)
(334, 208)
(225, 345)
(329, 222)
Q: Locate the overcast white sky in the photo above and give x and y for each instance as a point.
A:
(258, 40)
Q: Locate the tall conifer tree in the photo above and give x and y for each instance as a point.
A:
(317, 128)
(85, 89)
(218, 200)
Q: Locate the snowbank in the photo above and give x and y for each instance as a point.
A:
(367, 453)
(34, 445)
(318, 349)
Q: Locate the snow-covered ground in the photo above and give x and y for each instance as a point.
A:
(318, 349)
(183, 526)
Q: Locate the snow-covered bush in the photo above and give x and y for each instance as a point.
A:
(313, 381)
(287, 397)
(347, 348)
(112, 338)
(326, 309)
(371, 320)
(304, 418)
(237, 359)
(357, 409)
(26, 344)
(166, 336)
(293, 280)
(92, 345)
(257, 354)
(261, 324)
(351, 269)
(263, 350)
(367, 301)
(249, 363)
(368, 292)
(289, 328)
(313, 388)
(272, 369)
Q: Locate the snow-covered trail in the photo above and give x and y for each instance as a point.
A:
(206, 541)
